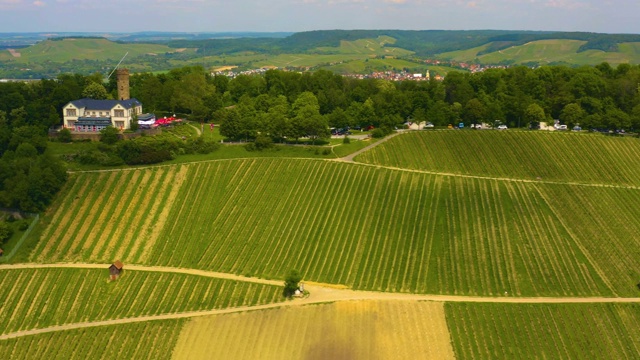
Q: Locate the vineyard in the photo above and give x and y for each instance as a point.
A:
(39, 298)
(549, 156)
(364, 227)
(569, 331)
(535, 214)
(344, 330)
(148, 340)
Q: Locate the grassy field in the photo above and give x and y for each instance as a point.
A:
(344, 330)
(377, 46)
(550, 156)
(549, 51)
(84, 49)
(357, 225)
(39, 298)
(569, 331)
(365, 66)
(148, 340)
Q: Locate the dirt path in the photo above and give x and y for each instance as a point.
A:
(331, 292)
(349, 158)
(319, 293)
(195, 127)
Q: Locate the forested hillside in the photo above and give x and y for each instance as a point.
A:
(284, 106)
(335, 50)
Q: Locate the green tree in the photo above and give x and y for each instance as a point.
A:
(18, 117)
(32, 134)
(534, 114)
(572, 114)
(291, 282)
(109, 135)
(5, 232)
(230, 123)
(474, 111)
(615, 118)
(95, 91)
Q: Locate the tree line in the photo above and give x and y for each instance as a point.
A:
(290, 105)
(279, 105)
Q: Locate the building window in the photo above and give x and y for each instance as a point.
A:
(71, 112)
(120, 124)
(119, 113)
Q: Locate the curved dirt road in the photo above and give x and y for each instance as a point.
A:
(319, 293)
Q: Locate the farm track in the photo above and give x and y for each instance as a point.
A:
(320, 293)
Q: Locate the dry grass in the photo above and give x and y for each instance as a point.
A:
(343, 330)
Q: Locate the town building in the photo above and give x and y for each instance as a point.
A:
(90, 115)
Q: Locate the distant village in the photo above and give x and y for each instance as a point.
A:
(391, 75)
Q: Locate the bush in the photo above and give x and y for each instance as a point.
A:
(64, 135)
(109, 135)
(346, 140)
(5, 232)
(377, 133)
(291, 283)
(23, 225)
(263, 142)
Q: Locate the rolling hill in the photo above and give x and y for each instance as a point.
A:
(68, 49)
(544, 52)
(342, 50)
(447, 244)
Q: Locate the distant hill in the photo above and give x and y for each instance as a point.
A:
(543, 52)
(343, 51)
(68, 49)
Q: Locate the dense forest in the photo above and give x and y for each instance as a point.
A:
(290, 104)
(284, 106)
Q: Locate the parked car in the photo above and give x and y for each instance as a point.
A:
(428, 125)
(576, 128)
(502, 127)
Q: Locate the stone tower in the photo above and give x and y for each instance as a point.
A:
(122, 76)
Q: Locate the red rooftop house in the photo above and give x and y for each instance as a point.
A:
(115, 269)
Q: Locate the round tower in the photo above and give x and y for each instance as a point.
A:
(122, 76)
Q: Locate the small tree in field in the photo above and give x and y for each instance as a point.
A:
(291, 282)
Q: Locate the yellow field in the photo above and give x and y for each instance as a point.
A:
(343, 330)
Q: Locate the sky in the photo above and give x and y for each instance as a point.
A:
(605, 16)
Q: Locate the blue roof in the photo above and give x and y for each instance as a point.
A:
(93, 104)
(93, 121)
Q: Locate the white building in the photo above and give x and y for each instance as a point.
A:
(89, 115)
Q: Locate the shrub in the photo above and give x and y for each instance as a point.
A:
(64, 135)
(291, 282)
(5, 231)
(377, 133)
(109, 135)
(263, 142)
(23, 225)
